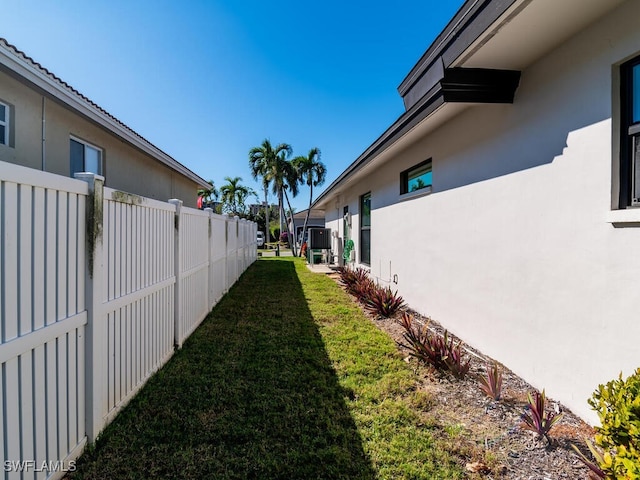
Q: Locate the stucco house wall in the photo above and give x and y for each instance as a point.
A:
(125, 167)
(515, 250)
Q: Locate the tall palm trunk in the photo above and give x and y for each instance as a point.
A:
(289, 234)
(306, 217)
(280, 209)
(266, 214)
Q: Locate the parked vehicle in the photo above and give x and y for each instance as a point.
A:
(260, 239)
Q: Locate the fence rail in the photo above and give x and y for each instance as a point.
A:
(97, 287)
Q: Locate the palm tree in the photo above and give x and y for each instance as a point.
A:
(234, 195)
(263, 163)
(288, 180)
(312, 172)
(208, 193)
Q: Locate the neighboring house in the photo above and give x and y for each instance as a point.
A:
(255, 208)
(501, 203)
(316, 219)
(48, 125)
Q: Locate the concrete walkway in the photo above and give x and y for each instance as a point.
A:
(272, 253)
(317, 268)
(322, 268)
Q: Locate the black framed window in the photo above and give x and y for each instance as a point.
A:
(416, 178)
(630, 133)
(365, 229)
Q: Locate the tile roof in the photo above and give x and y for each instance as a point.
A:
(153, 150)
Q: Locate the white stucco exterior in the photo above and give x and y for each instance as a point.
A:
(515, 250)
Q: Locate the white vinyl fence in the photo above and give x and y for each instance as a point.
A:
(97, 288)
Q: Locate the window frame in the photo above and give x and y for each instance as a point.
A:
(6, 122)
(405, 179)
(629, 137)
(86, 144)
(364, 228)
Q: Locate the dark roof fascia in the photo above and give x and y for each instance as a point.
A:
(479, 85)
(473, 18)
(25, 69)
(421, 110)
(458, 85)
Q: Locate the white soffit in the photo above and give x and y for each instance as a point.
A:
(530, 29)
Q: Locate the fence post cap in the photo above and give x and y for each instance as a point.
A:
(87, 176)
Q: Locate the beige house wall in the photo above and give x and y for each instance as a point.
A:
(125, 167)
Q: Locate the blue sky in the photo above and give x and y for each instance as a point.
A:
(207, 80)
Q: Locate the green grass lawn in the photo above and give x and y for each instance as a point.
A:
(285, 379)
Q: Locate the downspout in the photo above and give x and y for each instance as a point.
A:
(44, 132)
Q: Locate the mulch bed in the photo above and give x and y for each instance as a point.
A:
(492, 441)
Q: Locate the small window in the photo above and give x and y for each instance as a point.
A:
(416, 178)
(4, 123)
(365, 229)
(85, 157)
(630, 134)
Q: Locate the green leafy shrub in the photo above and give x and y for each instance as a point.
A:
(618, 406)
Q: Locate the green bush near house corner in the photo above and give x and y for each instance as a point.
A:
(618, 406)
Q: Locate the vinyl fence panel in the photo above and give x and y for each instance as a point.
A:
(218, 259)
(138, 282)
(97, 288)
(194, 270)
(232, 251)
(42, 240)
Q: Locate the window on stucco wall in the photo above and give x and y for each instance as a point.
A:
(5, 123)
(85, 157)
(365, 229)
(416, 178)
(630, 133)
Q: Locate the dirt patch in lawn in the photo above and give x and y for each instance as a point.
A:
(487, 434)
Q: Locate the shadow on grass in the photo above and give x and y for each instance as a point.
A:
(252, 394)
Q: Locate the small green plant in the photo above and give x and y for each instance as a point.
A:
(536, 418)
(491, 383)
(618, 406)
(384, 301)
(439, 351)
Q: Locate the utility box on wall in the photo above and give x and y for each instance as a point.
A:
(319, 238)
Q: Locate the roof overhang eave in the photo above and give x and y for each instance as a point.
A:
(457, 86)
(24, 69)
